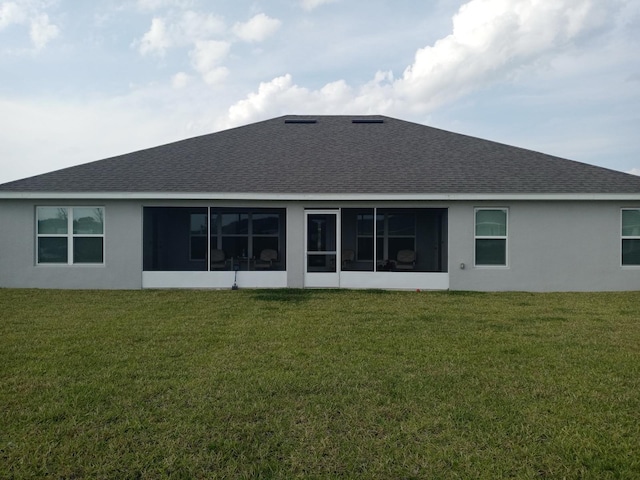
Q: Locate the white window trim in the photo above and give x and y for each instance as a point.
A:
(491, 237)
(70, 236)
(627, 237)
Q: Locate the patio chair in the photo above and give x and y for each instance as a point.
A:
(266, 259)
(218, 259)
(406, 260)
(348, 257)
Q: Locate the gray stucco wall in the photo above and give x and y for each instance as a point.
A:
(295, 246)
(123, 249)
(552, 246)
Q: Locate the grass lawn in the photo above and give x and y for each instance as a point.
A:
(318, 384)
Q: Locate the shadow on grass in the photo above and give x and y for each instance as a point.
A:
(291, 295)
(299, 295)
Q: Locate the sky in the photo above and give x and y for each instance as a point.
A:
(81, 81)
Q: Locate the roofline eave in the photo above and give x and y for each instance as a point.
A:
(318, 196)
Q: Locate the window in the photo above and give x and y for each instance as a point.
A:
(631, 236)
(491, 237)
(70, 235)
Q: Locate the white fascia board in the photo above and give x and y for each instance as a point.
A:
(319, 196)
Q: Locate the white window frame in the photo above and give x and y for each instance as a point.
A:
(627, 237)
(504, 237)
(70, 236)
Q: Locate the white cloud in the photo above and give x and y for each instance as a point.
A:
(193, 30)
(189, 27)
(634, 171)
(208, 54)
(42, 32)
(215, 76)
(157, 39)
(11, 13)
(311, 4)
(180, 80)
(206, 58)
(281, 95)
(490, 40)
(257, 29)
(158, 4)
(270, 97)
(197, 26)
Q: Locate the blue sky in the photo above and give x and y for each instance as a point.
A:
(81, 81)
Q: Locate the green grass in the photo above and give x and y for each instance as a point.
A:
(318, 384)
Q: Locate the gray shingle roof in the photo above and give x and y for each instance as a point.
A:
(333, 155)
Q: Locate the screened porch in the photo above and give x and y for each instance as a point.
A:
(213, 239)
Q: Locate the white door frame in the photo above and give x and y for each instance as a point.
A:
(322, 279)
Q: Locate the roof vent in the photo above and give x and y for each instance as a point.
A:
(300, 120)
(367, 120)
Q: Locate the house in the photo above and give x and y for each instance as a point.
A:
(325, 201)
